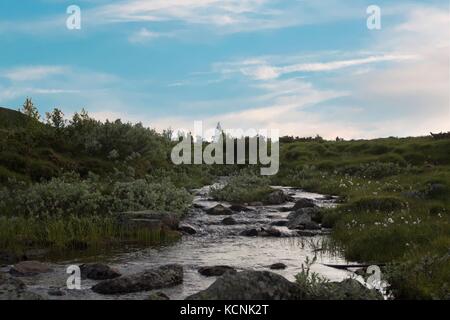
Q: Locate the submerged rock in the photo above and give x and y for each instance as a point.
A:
(229, 221)
(157, 278)
(219, 210)
(98, 271)
(270, 232)
(14, 289)
(278, 266)
(55, 292)
(250, 233)
(29, 268)
(158, 296)
(279, 223)
(250, 285)
(240, 208)
(215, 271)
(187, 229)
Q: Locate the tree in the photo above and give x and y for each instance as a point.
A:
(30, 110)
(56, 118)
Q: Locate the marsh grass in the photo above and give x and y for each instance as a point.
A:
(74, 233)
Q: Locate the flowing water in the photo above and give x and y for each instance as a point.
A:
(213, 244)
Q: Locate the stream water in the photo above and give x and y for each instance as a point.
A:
(213, 244)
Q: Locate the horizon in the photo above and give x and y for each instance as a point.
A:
(303, 67)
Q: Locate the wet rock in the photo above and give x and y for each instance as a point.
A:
(149, 220)
(187, 229)
(240, 208)
(250, 285)
(302, 219)
(350, 289)
(55, 292)
(256, 204)
(98, 271)
(29, 268)
(158, 296)
(270, 232)
(279, 223)
(14, 289)
(285, 209)
(215, 271)
(219, 210)
(229, 221)
(278, 266)
(250, 233)
(157, 278)
(303, 203)
(276, 197)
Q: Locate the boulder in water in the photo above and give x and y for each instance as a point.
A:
(215, 271)
(250, 285)
(157, 278)
(98, 271)
(303, 203)
(187, 229)
(229, 221)
(276, 197)
(219, 210)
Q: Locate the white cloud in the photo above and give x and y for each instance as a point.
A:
(31, 73)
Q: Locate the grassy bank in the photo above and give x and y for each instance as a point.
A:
(395, 204)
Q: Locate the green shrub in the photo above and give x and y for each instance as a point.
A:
(245, 186)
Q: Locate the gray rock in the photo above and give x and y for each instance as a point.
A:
(350, 289)
(219, 210)
(157, 278)
(303, 203)
(29, 268)
(215, 271)
(250, 285)
(98, 271)
(229, 221)
(256, 204)
(187, 229)
(278, 266)
(302, 219)
(276, 197)
(14, 289)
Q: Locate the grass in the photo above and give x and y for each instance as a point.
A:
(71, 233)
(395, 209)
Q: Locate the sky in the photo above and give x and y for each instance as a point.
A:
(304, 67)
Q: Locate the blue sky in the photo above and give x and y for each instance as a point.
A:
(304, 67)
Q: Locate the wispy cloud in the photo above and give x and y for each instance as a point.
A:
(30, 73)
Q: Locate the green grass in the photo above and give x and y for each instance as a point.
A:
(395, 209)
(61, 234)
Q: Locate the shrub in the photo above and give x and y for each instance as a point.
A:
(245, 186)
